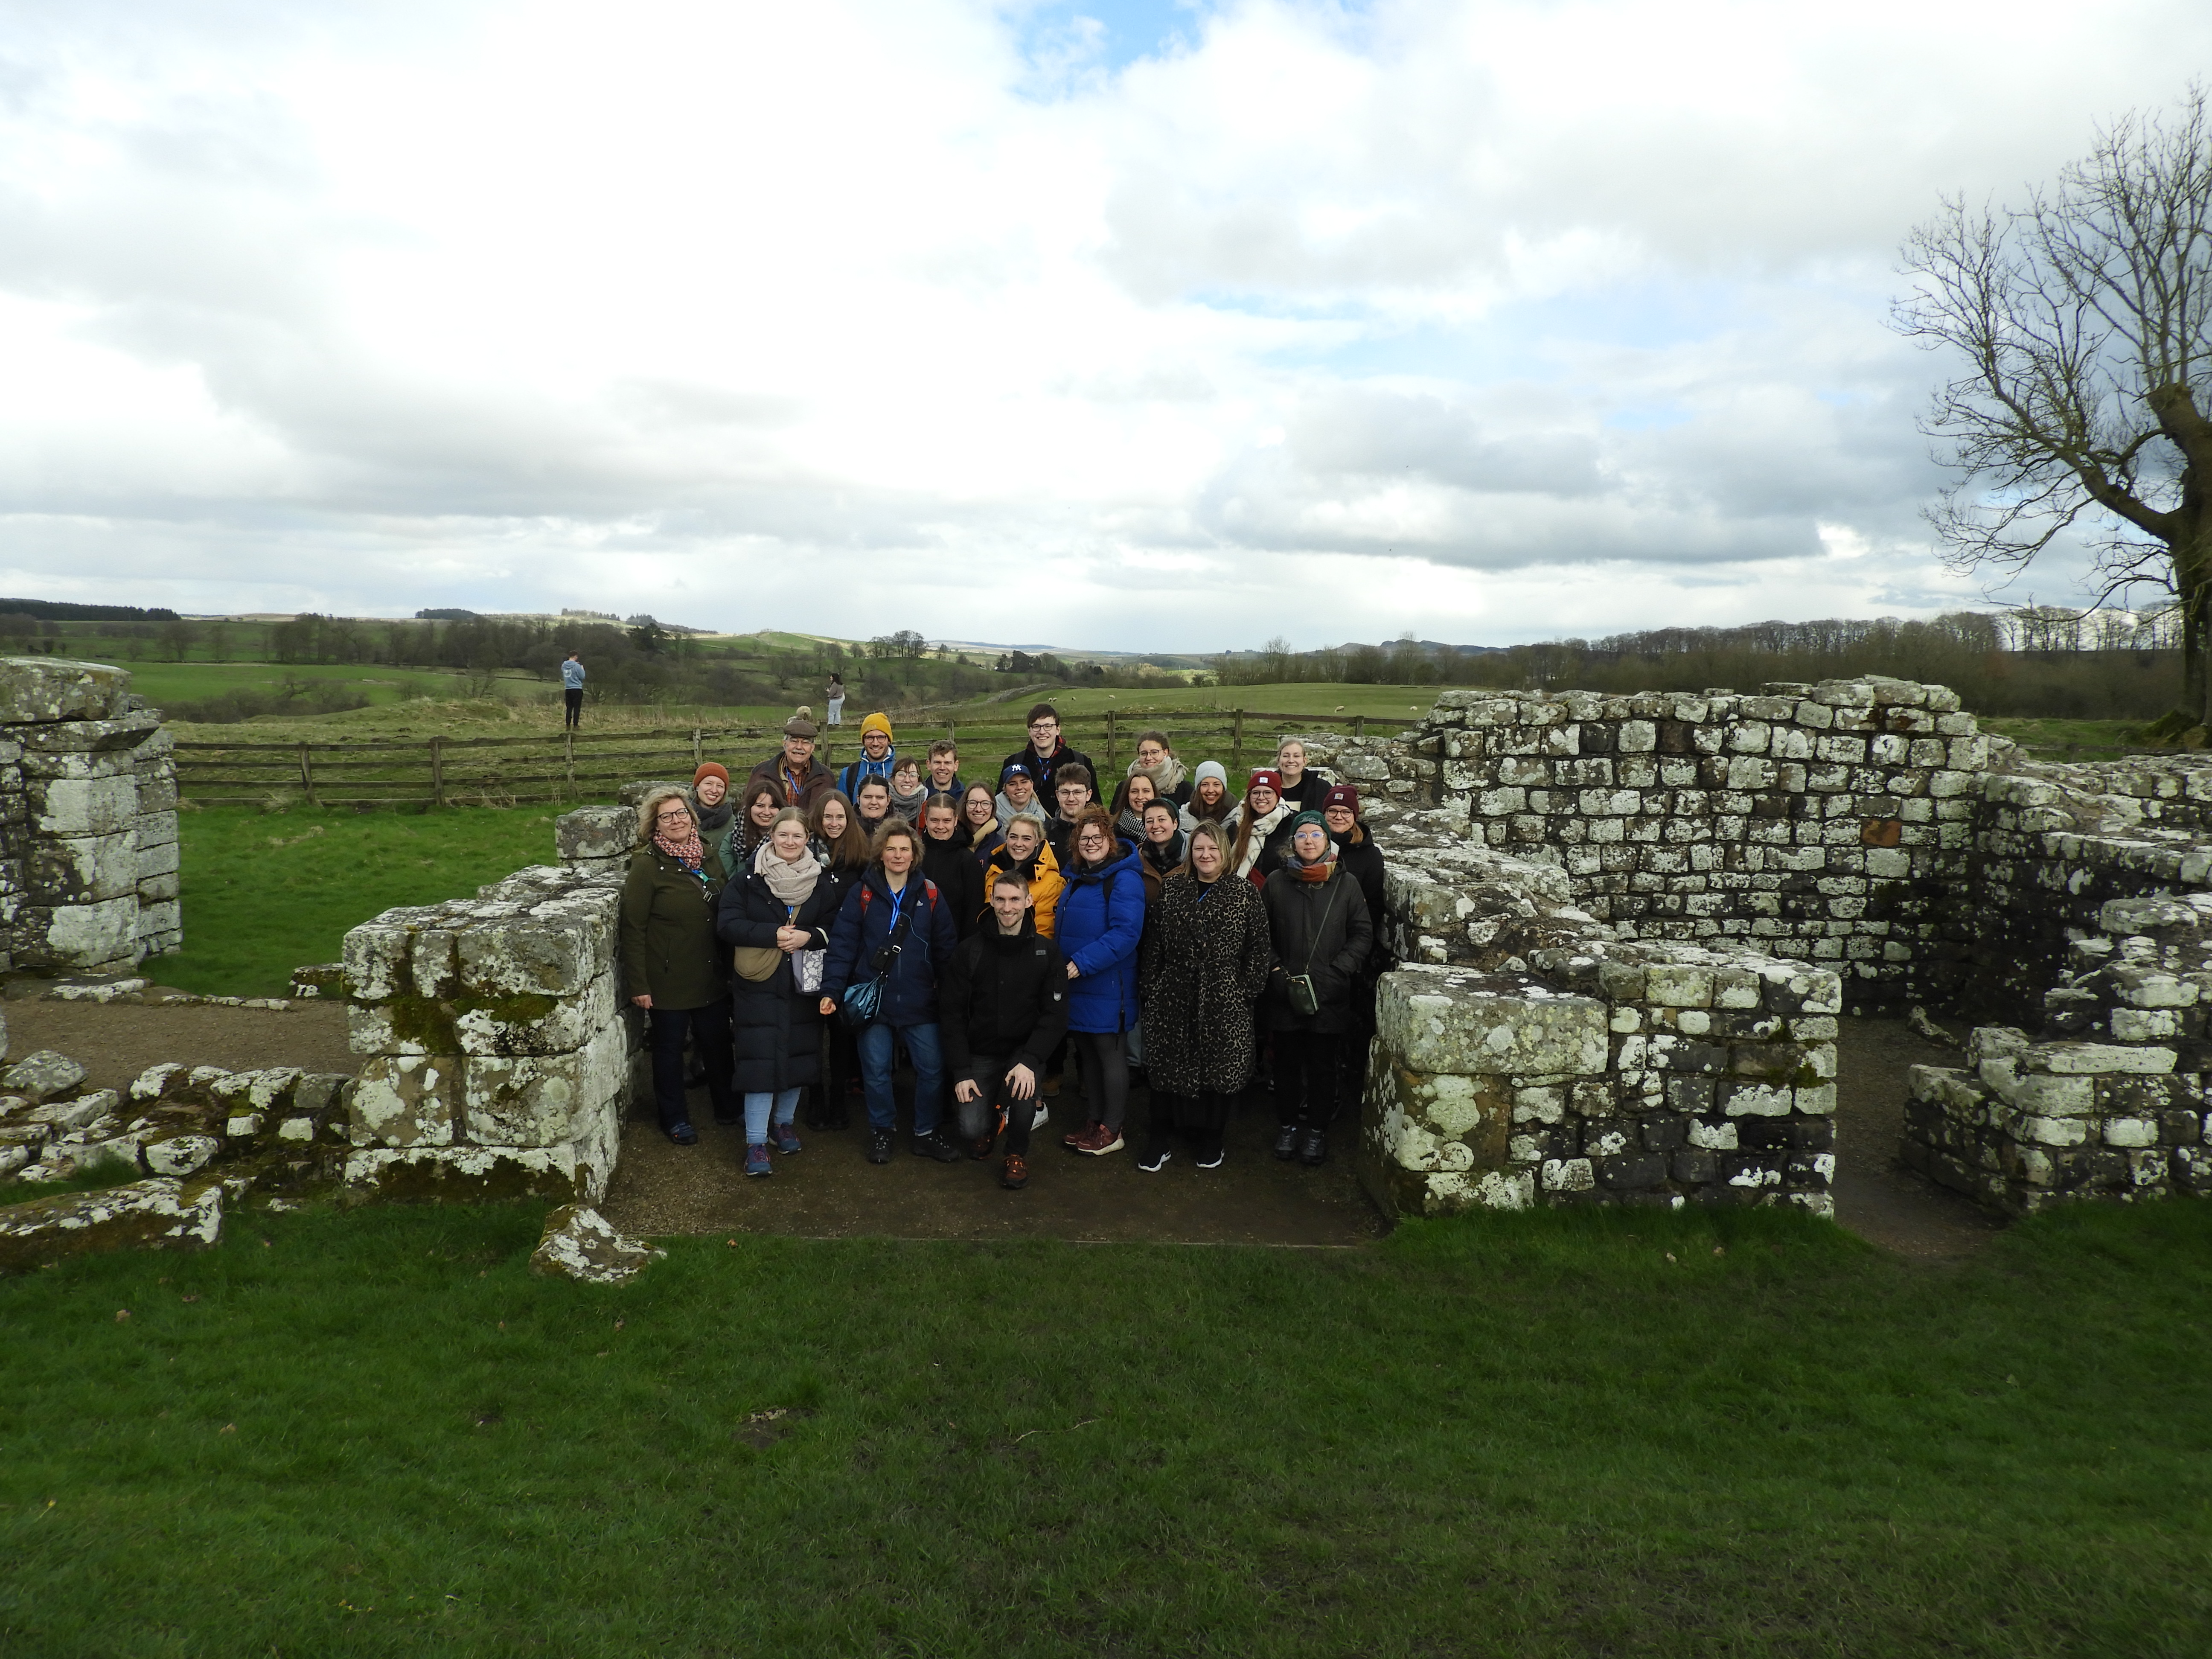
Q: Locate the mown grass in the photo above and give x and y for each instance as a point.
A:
(377, 1433)
(2055, 739)
(264, 893)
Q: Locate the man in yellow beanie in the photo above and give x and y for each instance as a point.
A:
(877, 756)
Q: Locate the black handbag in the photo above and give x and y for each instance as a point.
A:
(862, 1004)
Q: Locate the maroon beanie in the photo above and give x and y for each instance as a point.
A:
(1342, 795)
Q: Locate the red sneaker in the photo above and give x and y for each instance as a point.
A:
(1074, 1139)
(1101, 1141)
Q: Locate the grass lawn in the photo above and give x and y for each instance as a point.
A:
(377, 1433)
(265, 892)
(2054, 739)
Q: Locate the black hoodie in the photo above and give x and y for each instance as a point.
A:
(1002, 993)
(951, 865)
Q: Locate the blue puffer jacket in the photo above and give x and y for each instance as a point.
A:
(1097, 925)
(864, 924)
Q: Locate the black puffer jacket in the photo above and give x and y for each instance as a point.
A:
(1002, 994)
(1320, 928)
(779, 1031)
(1358, 857)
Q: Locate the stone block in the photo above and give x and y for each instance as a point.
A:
(2094, 1060)
(77, 870)
(405, 1101)
(601, 832)
(1453, 1020)
(44, 689)
(82, 807)
(469, 1174)
(579, 1243)
(555, 949)
(543, 1100)
(180, 1155)
(76, 936)
(160, 1214)
(41, 1075)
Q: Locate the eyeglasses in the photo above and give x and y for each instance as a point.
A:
(1044, 726)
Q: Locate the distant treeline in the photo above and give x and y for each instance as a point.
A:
(62, 610)
(2008, 664)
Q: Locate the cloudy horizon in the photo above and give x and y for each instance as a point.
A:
(1137, 326)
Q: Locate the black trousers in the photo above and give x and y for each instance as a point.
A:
(574, 696)
(979, 1117)
(670, 1029)
(1307, 1081)
(1203, 1117)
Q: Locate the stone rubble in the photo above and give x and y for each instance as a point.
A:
(579, 1244)
(162, 1212)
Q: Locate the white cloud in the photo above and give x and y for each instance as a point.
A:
(1492, 320)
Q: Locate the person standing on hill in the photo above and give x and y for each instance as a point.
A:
(836, 696)
(572, 690)
(877, 756)
(1003, 1011)
(804, 780)
(1046, 753)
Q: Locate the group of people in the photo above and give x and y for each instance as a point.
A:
(802, 928)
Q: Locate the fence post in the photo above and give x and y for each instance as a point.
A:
(307, 776)
(1237, 744)
(1359, 725)
(438, 771)
(569, 743)
(1109, 750)
(695, 754)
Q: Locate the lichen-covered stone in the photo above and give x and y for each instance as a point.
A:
(43, 688)
(1450, 1020)
(579, 1243)
(160, 1214)
(42, 1074)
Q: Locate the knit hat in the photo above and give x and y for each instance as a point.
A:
(1213, 769)
(1306, 818)
(1269, 776)
(711, 769)
(1342, 795)
(877, 722)
(799, 726)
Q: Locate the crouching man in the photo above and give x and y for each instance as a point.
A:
(1003, 1009)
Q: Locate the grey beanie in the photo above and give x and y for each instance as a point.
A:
(1212, 769)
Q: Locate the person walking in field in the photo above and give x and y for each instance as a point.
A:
(672, 963)
(776, 917)
(1318, 918)
(572, 690)
(836, 698)
(1002, 1011)
(1205, 964)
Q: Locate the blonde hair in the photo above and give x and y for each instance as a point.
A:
(649, 810)
(1211, 829)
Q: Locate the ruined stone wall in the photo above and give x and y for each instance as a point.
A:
(1524, 1056)
(498, 1057)
(88, 870)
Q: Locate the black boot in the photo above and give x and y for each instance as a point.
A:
(1286, 1142)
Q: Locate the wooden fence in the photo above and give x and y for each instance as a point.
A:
(580, 766)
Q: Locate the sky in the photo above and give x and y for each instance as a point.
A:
(1153, 326)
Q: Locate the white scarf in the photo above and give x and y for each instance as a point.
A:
(1257, 843)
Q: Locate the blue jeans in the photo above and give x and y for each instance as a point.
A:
(877, 1052)
(786, 1101)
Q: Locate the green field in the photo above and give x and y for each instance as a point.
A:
(1570, 1434)
(264, 893)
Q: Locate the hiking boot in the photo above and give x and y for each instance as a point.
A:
(1154, 1160)
(936, 1145)
(879, 1146)
(1314, 1149)
(1014, 1173)
(757, 1161)
(1101, 1141)
(786, 1138)
(1286, 1142)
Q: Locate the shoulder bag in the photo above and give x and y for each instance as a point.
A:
(1304, 1001)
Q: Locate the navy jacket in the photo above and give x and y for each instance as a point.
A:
(1098, 923)
(864, 926)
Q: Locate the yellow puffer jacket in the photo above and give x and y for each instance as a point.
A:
(1045, 883)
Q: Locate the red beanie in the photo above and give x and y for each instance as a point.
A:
(1265, 775)
(1342, 795)
(711, 769)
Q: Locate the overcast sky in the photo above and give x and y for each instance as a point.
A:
(1127, 326)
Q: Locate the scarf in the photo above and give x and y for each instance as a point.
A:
(687, 852)
(711, 818)
(1319, 871)
(1165, 856)
(793, 884)
(1167, 777)
(1131, 826)
(1257, 843)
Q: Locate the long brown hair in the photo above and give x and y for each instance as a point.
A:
(749, 835)
(849, 851)
(1244, 829)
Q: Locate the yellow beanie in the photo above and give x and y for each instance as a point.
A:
(877, 722)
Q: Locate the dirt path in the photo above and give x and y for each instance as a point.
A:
(1876, 1197)
(115, 1040)
(830, 1190)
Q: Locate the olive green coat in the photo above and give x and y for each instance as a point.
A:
(669, 951)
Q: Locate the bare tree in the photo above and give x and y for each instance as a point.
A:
(2082, 318)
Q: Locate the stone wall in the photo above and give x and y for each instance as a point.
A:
(88, 869)
(498, 1057)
